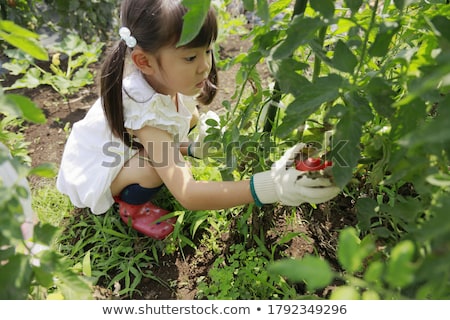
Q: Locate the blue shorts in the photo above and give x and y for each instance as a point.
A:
(135, 194)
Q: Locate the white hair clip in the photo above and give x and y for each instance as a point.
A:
(125, 35)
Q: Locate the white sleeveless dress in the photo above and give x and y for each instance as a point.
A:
(93, 157)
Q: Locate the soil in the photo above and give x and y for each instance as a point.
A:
(318, 227)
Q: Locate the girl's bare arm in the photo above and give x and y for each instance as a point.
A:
(168, 162)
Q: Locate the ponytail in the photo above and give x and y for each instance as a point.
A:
(111, 93)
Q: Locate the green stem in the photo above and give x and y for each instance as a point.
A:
(272, 108)
(366, 40)
(69, 70)
(241, 92)
(299, 8)
(317, 60)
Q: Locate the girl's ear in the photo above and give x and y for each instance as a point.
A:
(142, 61)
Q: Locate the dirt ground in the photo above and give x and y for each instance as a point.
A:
(319, 227)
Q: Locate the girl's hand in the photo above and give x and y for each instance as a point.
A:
(289, 186)
(199, 148)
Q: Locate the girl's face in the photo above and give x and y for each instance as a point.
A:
(180, 70)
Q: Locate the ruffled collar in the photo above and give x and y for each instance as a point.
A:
(136, 88)
(144, 106)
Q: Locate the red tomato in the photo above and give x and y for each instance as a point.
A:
(312, 164)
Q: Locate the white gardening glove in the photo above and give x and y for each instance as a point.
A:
(289, 186)
(199, 148)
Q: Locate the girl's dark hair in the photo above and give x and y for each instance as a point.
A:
(154, 24)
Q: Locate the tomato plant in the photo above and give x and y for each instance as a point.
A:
(374, 74)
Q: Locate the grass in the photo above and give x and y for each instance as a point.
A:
(50, 205)
(106, 251)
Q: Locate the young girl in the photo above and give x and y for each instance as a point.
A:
(128, 145)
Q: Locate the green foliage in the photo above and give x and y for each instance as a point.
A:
(193, 19)
(14, 139)
(65, 77)
(90, 19)
(117, 256)
(29, 268)
(376, 76)
(242, 274)
(315, 272)
(51, 206)
(371, 272)
(22, 38)
(109, 252)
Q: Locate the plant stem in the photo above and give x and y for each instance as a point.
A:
(69, 69)
(366, 40)
(299, 8)
(317, 60)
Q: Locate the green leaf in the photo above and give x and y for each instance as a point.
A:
(325, 89)
(438, 225)
(31, 79)
(29, 110)
(442, 24)
(286, 73)
(315, 272)
(16, 30)
(439, 179)
(46, 170)
(400, 269)
(72, 286)
(249, 5)
(28, 45)
(354, 5)
(382, 232)
(343, 59)
(325, 7)
(16, 68)
(383, 39)
(44, 233)
(374, 272)
(187, 241)
(345, 293)
(279, 6)
(87, 271)
(44, 275)
(408, 209)
(401, 4)
(310, 99)
(9, 107)
(15, 278)
(347, 137)
(381, 95)
(193, 19)
(71, 45)
(262, 10)
(437, 77)
(436, 130)
(301, 30)
(288, 237)
(370, 295)
(115, 233)
(365, 210)
(347, 251)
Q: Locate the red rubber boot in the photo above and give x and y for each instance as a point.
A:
(143, 217)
